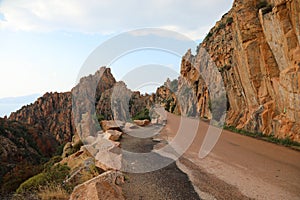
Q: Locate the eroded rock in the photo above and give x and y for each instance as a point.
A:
(109, 125)
(102, 187)
(144, 122)
(113, 135)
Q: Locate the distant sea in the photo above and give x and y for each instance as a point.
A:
(12, 104)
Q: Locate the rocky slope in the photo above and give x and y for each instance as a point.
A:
(51, 113)
(22, 149)
(255, 47)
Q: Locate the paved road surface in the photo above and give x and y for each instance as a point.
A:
(166, 183)
(259, 169)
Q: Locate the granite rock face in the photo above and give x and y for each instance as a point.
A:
(78, 113)
(51, 113)
(104, 186)
(255, 48)
(248, 65)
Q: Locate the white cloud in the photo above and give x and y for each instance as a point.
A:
(190, 17)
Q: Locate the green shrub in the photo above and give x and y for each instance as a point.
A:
(76, 147)
(224, 68)
(209, 34)
(51, 162)
(229, 20)
(173, 108)
(12, 180)
(269, 138)
(53, 176)
(59, 150)
(144, 114)
(100, 117)
(33, 183)
(222, 25)
(58, 173)
(261, 4)
(168, 104)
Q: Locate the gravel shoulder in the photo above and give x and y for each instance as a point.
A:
(166, 183)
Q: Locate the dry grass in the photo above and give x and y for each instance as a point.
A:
(53, 192)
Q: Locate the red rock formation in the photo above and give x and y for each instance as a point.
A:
(256, 49)
(51, 113)
(67, 114)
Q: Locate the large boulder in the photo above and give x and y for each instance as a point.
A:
(144, 122)
(89, 139)
(106, 152)
(129, 126)
(103, 144)
(110, 125)
(104, 186)
(113, 135)
(110, 159)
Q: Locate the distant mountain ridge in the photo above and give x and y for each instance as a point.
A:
(20, 99)
(11, 104)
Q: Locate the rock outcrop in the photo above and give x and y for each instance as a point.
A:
(167, 98)
(87, 95)
(96, 97)
(253, 52)
(104, 186)
(113, 135)
(110, 125)
(255, 47)
(144, 122)
(51, 113)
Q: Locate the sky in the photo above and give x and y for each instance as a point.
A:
(44, 44)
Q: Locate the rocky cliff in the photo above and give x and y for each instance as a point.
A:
(99, 97)
(96, 97)
(51, 113)
(248, 65)
(255, 47)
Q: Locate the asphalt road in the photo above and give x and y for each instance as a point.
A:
(259, 169)
(166, 183)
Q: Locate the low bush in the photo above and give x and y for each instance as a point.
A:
(33, 183)
(76, 147)
(229, 20)
(261, 4)
(209, 34)
(100, 117)
(144, 114)
(52, 176)
(53, 192)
